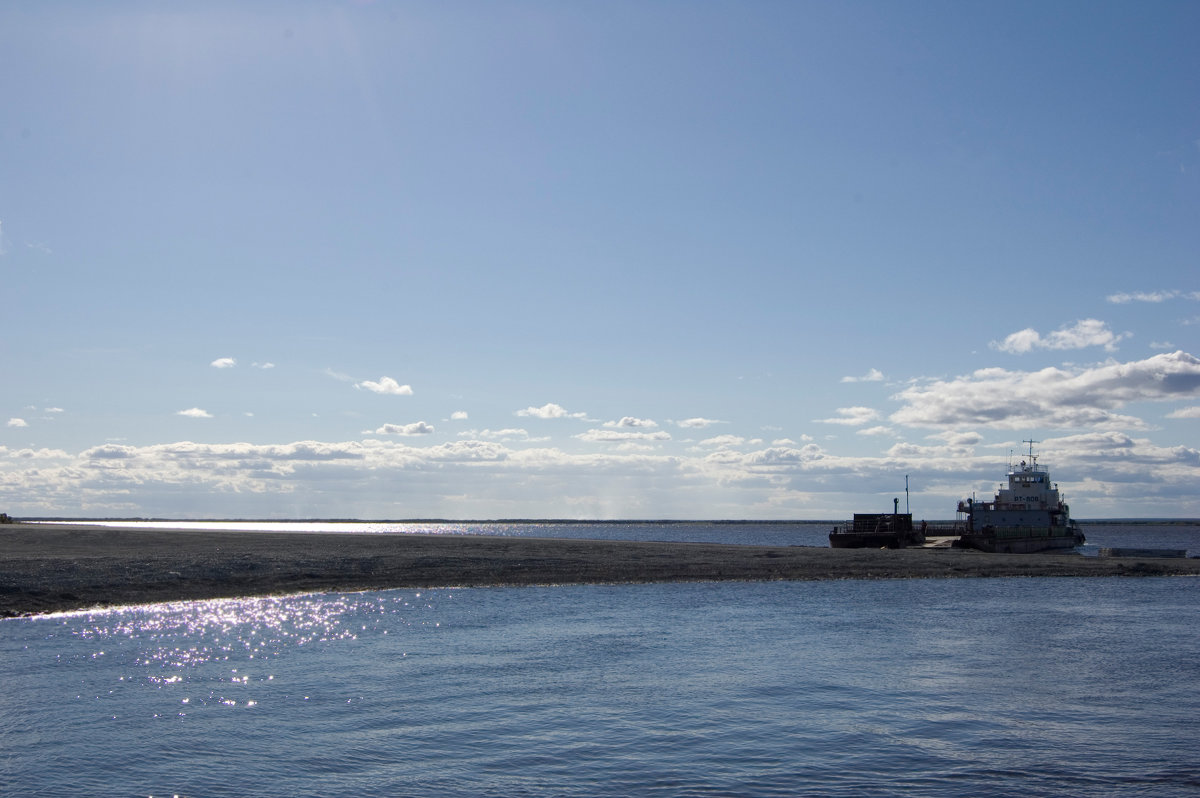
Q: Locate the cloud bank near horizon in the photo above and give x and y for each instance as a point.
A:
(631, 467)
(738, 478)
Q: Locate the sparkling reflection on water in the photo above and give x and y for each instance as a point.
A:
(1017, 687)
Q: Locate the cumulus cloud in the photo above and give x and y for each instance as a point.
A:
(1185, 412)
(386, 386)
(1050, 398)
(630, 421)
(549, 410)
(1103, 472)
(415, 428)
(267, 365)
(697, 423)
(194, 412)
(17, 422)
(38, 454)
(874, 375)
(223, 363)
(458, 415)
(852, 416)
(1084, 333)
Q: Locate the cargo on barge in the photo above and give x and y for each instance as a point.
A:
(892, 530)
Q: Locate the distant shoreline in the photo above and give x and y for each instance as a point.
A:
(59, 567)
(576, 521)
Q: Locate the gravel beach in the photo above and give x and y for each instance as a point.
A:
(51, 567)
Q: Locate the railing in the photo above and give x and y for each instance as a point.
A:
(942, 528)
(931, 528)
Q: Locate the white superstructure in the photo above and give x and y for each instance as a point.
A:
(1028, 515)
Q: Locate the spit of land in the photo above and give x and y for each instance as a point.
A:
(57, 567)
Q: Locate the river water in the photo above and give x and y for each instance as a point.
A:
(902, 687)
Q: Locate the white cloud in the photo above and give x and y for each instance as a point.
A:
(549, 410)
(194, 412)
(416, 428)
(959, 438)
(1084, 333)
(267, 365)
(1185, 412)
(630, 421)
(386, 385)
(614, 436)
(37, 454)
(697, 423)
(458, 415)
(1051, 398)
(1151, 296)
(852, 416)
(1104, 473)
(223, 363)
(723, 441)
(875, 431)
(54, 410)
(874, 375)
(510, 434)
(17, 422)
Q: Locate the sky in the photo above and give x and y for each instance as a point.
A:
(603, 260)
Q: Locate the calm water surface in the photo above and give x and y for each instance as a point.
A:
(906, 687)
(796, 533)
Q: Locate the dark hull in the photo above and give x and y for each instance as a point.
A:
(1019, 544)
(875, 540)
(876, 531)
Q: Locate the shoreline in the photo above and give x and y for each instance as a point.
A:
(60, 567)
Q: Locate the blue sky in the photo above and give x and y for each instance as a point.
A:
(596, 260)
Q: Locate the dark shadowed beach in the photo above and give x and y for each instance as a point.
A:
(50, 568)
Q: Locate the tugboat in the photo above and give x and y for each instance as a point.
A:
(1027, 516)
(892, 530)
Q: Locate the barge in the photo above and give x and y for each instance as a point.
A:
(892, 530)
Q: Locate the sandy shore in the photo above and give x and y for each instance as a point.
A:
(48, 568)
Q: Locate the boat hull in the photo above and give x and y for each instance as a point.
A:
(876, 531)
(852, 540)
(1000, 543)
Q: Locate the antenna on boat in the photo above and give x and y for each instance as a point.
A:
(1031, 442)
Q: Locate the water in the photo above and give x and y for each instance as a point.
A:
(795, 533)
(906, 687)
